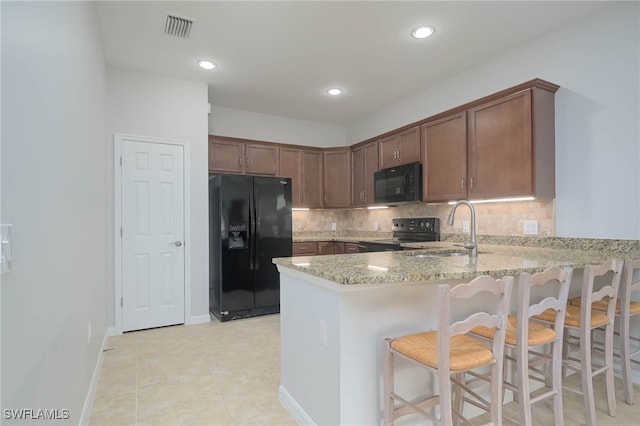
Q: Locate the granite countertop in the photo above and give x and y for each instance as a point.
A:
(410, 266)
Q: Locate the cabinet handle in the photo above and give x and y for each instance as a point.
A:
(302, 196)
(247, 161)
(462, 183)
(471, 184)
(240, 160)
(362, 195)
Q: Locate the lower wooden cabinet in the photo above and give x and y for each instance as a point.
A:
(351, 248)
(324, 248)
(305, 249)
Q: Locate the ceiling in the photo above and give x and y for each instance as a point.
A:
(279, 58)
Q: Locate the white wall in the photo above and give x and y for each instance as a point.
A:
(272, 128)
(151, 105)
(53, 191)
(596, 61)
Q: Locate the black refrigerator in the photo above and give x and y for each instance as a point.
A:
(249, 224)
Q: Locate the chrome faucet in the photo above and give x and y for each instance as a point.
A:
(472, 245)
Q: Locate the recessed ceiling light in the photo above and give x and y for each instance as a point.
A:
(207, 65)
(334, 92)
(422, 32)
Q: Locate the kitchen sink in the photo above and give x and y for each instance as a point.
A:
(443, 254)
(446, 254)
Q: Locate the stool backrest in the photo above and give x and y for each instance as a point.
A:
(627, 285)
(561, 277)
(492, 318)
(608, 290)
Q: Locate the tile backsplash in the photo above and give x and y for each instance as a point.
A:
(505, 218)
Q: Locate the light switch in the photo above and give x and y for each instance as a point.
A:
(5, 248)
(466, 226)
(333, 226)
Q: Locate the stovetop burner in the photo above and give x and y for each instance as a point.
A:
(405, 230)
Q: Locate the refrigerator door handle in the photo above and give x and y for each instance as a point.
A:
(252, 231)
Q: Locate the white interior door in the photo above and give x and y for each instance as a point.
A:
(153, 272)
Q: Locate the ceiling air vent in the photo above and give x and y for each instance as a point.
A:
(178, 26)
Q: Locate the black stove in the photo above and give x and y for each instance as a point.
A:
(405, 230)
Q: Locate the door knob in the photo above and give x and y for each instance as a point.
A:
(178, 243)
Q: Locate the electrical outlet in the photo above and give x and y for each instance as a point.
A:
(376, 226)
(466, 225)
(322, 332)
(530, 227)
(89, 332)
(333, 226)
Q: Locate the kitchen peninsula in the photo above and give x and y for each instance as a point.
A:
(336, 311)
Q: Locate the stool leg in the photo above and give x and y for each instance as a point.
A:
(608, 359)
(389, 402)
(523, 391)
(587, 375)
(626, 358)
(556, 371)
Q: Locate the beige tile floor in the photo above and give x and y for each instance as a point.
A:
(228, 374)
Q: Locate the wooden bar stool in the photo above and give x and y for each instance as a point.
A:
(449, 352)
(523, 335)
(583, 321)
(625, 309)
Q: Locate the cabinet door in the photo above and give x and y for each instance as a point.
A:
(500, 147)
(225, 156)
(401, 148)
(409, 146)
(325, 247)
(337, 177)
(364, 163)
(351, 248)
(444, 158)
(370, 167)
(389, 151)
(357, 177)
(305, 249)
(338, 247)
(261, 159)
(311, 173)
(290, 167)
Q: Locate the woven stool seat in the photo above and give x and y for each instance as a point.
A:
(572, 317)
(538, 334)
(601, 305)
(465, 352)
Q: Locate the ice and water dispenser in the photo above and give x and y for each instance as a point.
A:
(238, 236)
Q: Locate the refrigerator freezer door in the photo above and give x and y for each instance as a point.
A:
(273, 235)
(236, 263)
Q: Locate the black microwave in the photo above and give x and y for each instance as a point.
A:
(402, 184)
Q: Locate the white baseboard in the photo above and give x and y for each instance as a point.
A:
(294, 408)
(91, 393)
(199, 319)
(111, 331)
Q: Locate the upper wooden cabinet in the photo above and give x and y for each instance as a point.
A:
(364, 163)
(311, 173)
(337, 178)
(511, 146)
(237, 156)
(304, 167)
(501, 146)
(444, 158)
(401, 148)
